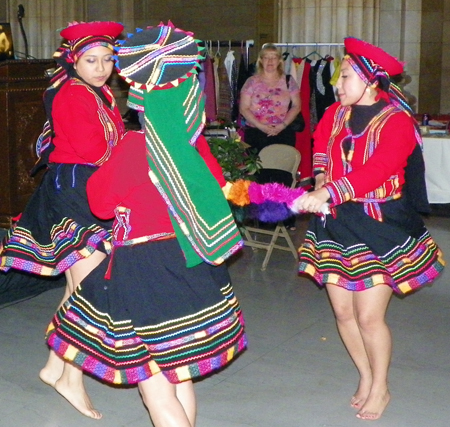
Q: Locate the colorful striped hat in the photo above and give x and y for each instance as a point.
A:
(375, 66)
(161, 56)
(82, 36)
(373, 56)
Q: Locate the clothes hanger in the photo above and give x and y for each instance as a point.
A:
(208, 46)
(243, 55)
(314, 52)
(218, 55)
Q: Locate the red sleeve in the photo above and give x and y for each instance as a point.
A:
(77, 122)
(397, 142)
(107, 188)
(212, 163)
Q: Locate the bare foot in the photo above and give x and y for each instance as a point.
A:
(52, 370)
(78, 399)
(374, 406)
(360, 397)
(356, 401)
(48, 378)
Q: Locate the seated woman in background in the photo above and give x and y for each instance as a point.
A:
(269, 105)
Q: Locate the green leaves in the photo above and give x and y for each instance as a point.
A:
(235, 157)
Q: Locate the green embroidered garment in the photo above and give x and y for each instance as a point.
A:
(161, 63)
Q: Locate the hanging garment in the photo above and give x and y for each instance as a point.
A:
(229, 63)
(301, 69)
(335, 74)
(323, 91)
(225, 96)
(233, 77)
(243, 75)
(312, 99)
(231, 67)
(287, 58)
(210, 91)
(216, 62)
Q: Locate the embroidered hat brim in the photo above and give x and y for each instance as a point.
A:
(161, 56)
(96, 28)
(386, 61)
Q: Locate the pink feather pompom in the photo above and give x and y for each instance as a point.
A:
(274, 192)
(294, 195)
(255, 193)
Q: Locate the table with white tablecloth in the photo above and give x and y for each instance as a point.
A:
(436, 153)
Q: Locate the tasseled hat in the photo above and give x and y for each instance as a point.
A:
(76, 30)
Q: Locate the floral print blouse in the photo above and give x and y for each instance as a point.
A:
(269, 104)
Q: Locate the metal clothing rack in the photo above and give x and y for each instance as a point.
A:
(247, 44)
(303, 44)
(231, 43)
(314, 45)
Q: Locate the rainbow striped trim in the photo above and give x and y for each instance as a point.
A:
(118, 353)
(405, 268)
(70, 242)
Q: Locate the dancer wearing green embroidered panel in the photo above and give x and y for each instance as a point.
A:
(161, 312)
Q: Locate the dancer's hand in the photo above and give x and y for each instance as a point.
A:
(313, 202)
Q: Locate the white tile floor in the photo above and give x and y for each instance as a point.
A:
(296, 372)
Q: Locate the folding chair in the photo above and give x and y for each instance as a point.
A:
(285, 158)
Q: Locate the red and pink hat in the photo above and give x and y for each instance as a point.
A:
(77, 30)
(373, 55)
(82, 36)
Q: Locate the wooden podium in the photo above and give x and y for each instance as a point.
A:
(22, 115)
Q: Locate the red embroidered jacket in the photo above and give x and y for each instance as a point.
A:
(374, 170)
(85, 128)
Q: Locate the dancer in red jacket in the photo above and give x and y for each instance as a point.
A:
(368, 165)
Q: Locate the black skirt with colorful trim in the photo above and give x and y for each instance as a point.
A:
(357, 252)
(153, 315)
(57, 228)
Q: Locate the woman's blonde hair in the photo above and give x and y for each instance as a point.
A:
(269, 48)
